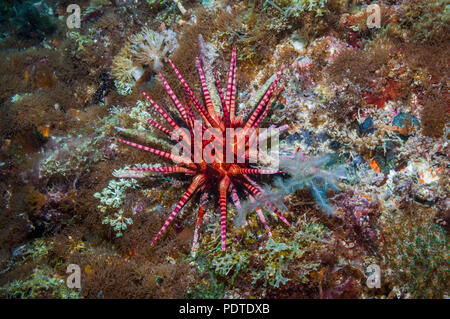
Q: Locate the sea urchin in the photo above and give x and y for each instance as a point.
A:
(211, 171)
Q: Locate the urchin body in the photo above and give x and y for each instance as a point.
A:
(212, 172)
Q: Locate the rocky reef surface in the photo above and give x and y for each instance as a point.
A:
(364, 103)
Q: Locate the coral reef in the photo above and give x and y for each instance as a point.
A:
(363, 169)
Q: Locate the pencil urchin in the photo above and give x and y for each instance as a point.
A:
(212, 174)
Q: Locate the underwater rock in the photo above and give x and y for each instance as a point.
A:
(33, 20)
(366, 127)
(405, 124)
(423, 195)
(307, 137)
(49, 217)
(335, 145)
